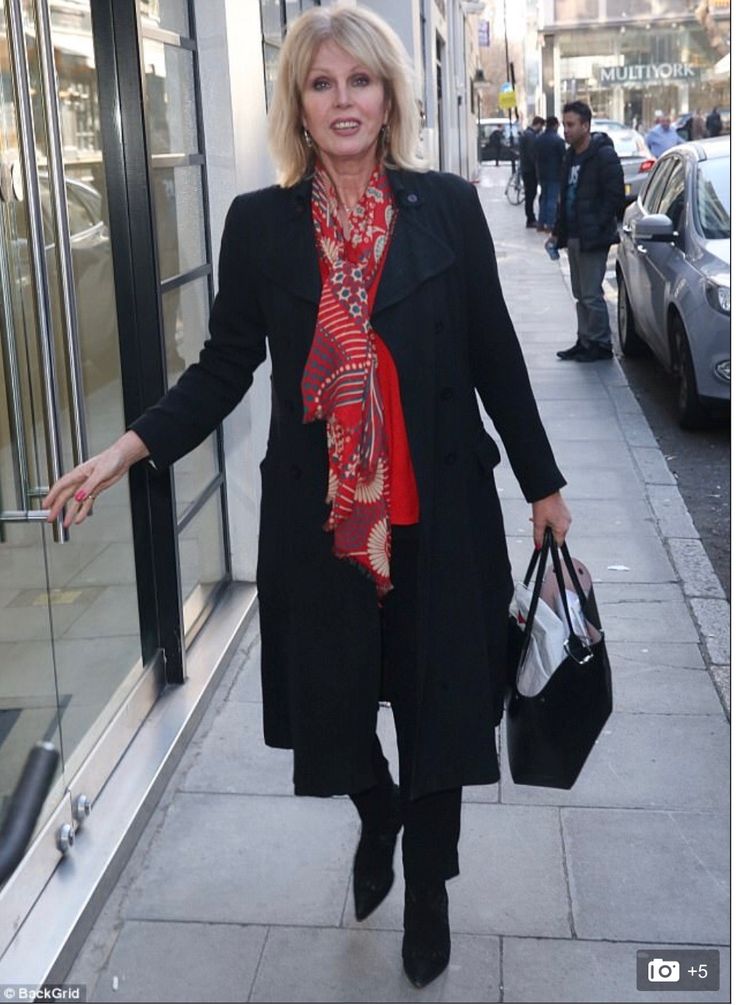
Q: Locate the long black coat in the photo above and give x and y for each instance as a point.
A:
(440, 310)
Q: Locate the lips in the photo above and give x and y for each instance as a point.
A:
(344, 125)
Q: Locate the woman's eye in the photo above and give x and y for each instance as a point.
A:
(320, 84)
(361, 80)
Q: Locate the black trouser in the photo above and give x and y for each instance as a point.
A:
(530, 193)
(432, 822)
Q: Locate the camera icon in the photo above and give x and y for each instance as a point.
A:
(661, 971)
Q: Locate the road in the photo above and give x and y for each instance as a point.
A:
(700, 461)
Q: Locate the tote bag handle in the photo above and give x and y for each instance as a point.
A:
(575, 647)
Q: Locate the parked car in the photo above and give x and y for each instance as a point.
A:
(636, 159)
(674, 285)
(487, 127)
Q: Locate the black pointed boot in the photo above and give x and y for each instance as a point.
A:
(373, 868)
(426, 946)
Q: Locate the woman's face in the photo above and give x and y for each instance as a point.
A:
(343, 107)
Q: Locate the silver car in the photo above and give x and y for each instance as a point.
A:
(636, 159)
(674, 285)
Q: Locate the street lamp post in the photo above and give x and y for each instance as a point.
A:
(512, 80)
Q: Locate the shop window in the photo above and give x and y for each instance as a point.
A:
(179, 186)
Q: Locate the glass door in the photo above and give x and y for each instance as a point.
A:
(69, 623)
(29, 702)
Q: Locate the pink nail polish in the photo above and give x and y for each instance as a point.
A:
(81, 495)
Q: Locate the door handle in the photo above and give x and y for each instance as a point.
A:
(627, 228)
(641, 249)
(37, 258)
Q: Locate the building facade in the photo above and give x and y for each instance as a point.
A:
(630, 60)
(126, 129)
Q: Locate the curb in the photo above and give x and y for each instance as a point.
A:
(704, 596)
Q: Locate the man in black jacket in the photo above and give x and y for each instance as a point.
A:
(549, 152)
(591, 198)
(529, 167)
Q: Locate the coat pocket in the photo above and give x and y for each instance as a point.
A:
(487, 453)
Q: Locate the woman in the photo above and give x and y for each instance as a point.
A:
(382, 567)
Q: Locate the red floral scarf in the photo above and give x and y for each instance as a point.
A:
(340, 380)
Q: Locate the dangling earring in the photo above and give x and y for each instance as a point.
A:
(385, 138)
(307, 137)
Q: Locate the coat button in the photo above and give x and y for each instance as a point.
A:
(446, 393)
(451, 457)
(296, 471)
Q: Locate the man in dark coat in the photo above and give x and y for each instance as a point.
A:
(591, 199)
(714, 123)
(529, 167)
(549, 149)
(493, 146)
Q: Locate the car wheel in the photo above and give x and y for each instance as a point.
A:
(691, 412)
(628, 334)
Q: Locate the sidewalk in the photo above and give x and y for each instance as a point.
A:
(238, 891)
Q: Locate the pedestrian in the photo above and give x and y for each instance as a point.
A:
(529, 167)
(591, 200)
(494, 144)
(549, 150)
(714, 123)
(382, 568)
(698, 129)
(661, 136)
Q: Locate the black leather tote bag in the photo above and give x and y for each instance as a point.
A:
(550, 734)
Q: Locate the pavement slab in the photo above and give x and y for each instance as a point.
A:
(512, 879)
(637, 875)
(164, 961)
(232, 756)
(347, 965)
(250, 860)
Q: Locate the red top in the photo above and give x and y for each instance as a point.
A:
(403, 495)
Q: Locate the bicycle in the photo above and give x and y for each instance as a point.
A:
(515, 188)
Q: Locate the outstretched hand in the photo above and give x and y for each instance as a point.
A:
(78, 489)
(550, 512)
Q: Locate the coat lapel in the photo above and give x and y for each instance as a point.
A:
(416, 253)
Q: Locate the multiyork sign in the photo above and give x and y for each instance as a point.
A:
(649, 73)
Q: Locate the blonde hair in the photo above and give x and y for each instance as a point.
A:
(366, 37)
